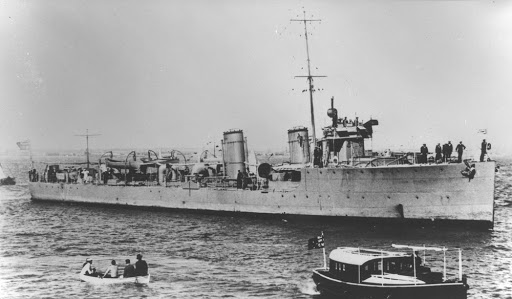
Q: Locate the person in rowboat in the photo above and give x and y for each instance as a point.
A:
(87, 268)
(129, 269)
(141, 267)
(112, 269)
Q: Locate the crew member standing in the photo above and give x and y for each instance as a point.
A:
(445, 152)
(300, 139)
(438, 153)
(424, 152)
(239, 179)
(449, 150)
(105, 175)
(483, 151)
(316, 157)
(245, 177)
(460, 149)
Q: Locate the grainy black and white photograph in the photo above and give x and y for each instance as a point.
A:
(256, 149)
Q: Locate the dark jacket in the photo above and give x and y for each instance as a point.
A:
(141, 268)
(438, 149)
(460, 148)
(445, 148)
(449, 148)
(424, 150)
(484, 147)
(129, 271)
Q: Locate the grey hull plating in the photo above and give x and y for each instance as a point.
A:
(420, 192)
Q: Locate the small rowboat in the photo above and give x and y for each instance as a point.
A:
(117, 280)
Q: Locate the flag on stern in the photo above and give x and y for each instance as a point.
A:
(24, 145)
(316, 242)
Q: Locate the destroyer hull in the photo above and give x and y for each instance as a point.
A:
(419, 192)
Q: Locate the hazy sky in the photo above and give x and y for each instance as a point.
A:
(177, 74)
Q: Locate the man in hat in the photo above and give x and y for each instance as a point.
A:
(87, 268)
(439, 157)
(424, 152)
(449, 151)
(460, 149)
(141, 267)
(483, 150)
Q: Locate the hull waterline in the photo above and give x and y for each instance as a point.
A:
(418, 192)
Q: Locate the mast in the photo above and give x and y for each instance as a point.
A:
(86, 135)
(309, 76)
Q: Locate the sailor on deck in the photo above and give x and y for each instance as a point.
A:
(239, 179)
(317, 157)
(460, 149)
(449, 150)
(483, 151)
(439, 157)
(424, 152)
(445, 152)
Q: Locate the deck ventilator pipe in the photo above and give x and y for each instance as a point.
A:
(359, 268)
(414, 265)
(460, 264)
(382, 267)
(325, 260)
(424, 255)
(444, 261)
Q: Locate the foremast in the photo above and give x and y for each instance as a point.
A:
(309, 76)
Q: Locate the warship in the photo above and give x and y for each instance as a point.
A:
(333, 176)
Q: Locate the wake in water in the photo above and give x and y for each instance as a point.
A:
(308, 288)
